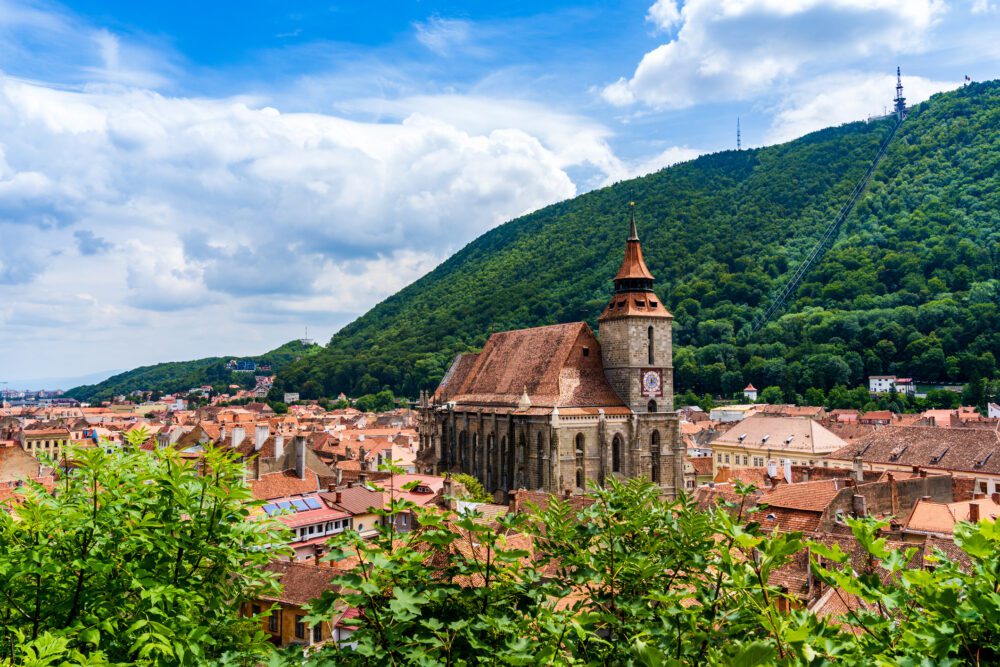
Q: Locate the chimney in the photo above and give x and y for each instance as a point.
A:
(238, 434)
(859, 469)
(279, 446)
(772, 469)
(788, 471)
(860, 505)
(339, 476)
(362, 478)
(337, 498)
(260, 435)
(974, 512)
(300, 456)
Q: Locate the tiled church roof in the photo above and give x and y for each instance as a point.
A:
(556, 366)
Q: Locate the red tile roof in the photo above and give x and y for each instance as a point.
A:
(282, 484)
(548, 363)
(301, 583)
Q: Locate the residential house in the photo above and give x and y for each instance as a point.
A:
(761, 440)
(965, 452)
(282, 616)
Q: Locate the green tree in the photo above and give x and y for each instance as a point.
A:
(474, 490)
(138, 557)
(383, 401)
(772, 395)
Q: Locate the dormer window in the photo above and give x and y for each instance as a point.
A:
(640, 303)
(652, 304)
(621, 304)
(586, 351)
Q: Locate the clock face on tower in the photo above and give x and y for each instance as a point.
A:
(651, 382)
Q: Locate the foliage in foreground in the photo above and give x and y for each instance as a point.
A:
(136, 558)
(636, 580)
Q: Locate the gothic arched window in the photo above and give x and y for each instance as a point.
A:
(654, 449)
(616, 454)
(540, 460)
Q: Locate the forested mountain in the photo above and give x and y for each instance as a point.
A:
(910, 286)
(182, 375)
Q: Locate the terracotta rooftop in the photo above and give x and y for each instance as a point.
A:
(300, 582)
(959, 449)
(355, 499)
(811, 496)
(795, 435)
(555, 366)
(282, 484)
(931, 517)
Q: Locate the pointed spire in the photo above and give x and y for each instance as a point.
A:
(632, 266)
(633, 235)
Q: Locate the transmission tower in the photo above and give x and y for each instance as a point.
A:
(739, 142)
(900, 100)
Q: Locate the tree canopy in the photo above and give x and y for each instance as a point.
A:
(911, 286)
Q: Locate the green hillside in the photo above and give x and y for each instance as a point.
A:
(181, 375)
(910, 285)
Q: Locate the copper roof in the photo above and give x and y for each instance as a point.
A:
(632, 304)
(633, 265)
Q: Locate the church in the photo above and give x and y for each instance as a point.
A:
(555, 409)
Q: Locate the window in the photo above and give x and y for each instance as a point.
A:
(720, 457)
(317, 633)
(649, 344)
(744, 459)
(255, 609)
(361, 527)
(640, 303)
(651, 407)
(540, 453)
(727, 458)
(616, 454)
(402, 520)
(300, 627)
(654, 449)
(579, 478)
(272, 622)
(586, 351)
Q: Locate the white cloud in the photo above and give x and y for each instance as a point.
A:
(442, 35)
(200, 209)
(840, 98)
(982, 7)
(735, 49)
(661, 160)
(665, 14)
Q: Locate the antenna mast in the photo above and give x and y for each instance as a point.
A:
(900, 100)
(739, 142)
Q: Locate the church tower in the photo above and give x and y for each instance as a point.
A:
(636, 335)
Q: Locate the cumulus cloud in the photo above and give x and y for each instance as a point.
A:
(843, 97)
(649, 165)
(735, 49)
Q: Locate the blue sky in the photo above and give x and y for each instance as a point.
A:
(188, 179)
